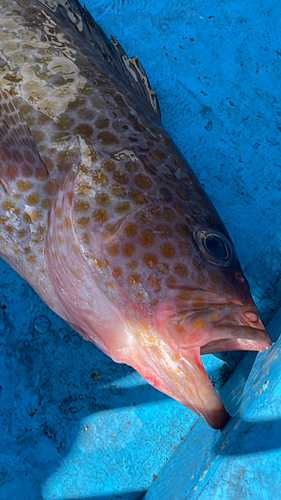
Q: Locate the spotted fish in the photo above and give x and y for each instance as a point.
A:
(102, 215)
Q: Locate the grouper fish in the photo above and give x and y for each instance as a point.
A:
(101, 214)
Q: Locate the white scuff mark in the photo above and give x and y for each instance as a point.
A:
(204, 475)
(263, 388)
(237, 424)
(32, 212)
(134, 67)
(121, 155)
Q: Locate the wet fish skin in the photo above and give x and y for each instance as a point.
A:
(102, 215)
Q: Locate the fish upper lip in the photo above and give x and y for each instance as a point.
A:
(231, 326)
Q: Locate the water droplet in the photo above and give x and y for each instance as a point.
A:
(41, 324)
(75, 340)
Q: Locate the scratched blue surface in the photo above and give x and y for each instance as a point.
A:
(75, 425)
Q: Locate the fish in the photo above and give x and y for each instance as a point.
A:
(103, 216)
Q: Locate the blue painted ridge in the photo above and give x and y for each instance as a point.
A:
(243, 460)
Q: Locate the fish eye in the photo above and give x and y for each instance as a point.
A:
(214, 246)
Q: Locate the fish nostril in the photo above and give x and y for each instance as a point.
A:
(251, 316)
(239, 277)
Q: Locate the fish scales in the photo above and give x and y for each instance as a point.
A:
(103, 216)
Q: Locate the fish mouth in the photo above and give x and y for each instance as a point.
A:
(220, 327)
(226, 345)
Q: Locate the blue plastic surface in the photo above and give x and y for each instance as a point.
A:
(75, 425)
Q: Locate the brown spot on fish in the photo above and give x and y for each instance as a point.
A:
(50, 187)
(201, 280)
(129, 250)
(100, 216)
(169, 214)
(42, 119)
(130, 229)
(27, 171)
(58, 213)
(171, 282)
(102, 198)
(154, 282)
(100, 178)
(147, 239)
(134, 279)
(11, 172)
(185, 249)
(167, 250)
(181, 270)
(138, 197)
(48, 163)
(117, 271)
(142, 181)
(86, 238)
(140, 297)
(46, 203)
(107, 139)
(120, 177)
(214, 277)
(32, 259)
(21, 233)
(150, 260)
(83, 222)
(123, 207)
(120, 101)
(84, 189)
(33, 199)
(86, 114)
(77, 103)
(164, 231)
(131, 167)
(164, 268)
(38, 136)
(198, 265)
(114, 250)
(84, 129)
(182, 193)
(8, 205)
(81, 206)
(24, 185)
(108, 165)
(65, 122)
(156, 212)
(182, 230)
(102, 123)
(9, 229)
(118, 191)
(66, 160)
(39, 235)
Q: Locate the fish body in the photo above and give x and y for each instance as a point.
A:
(102, 215)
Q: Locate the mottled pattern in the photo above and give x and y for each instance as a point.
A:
(101, 213)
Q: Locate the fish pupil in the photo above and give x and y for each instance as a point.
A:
(216, 246)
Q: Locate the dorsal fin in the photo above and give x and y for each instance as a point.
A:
(129, 70)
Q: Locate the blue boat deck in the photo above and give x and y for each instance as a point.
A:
(75, 425)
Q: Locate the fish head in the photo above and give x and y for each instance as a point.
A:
(187, 296)
(162, 258)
